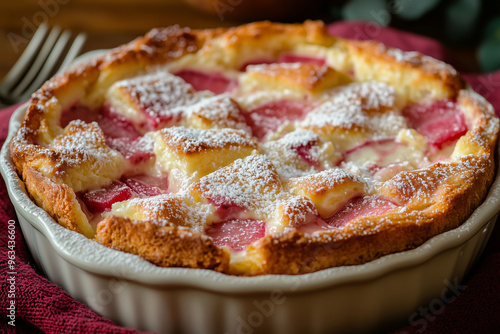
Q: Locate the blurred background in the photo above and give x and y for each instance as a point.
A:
(470, 28)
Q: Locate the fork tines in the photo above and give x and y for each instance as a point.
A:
(48, 51)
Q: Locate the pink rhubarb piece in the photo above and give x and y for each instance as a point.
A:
(440, 122)
(147, 186)
(98, 201)
(360, 207)
(236, 234)
(268, 117)
(214, 82)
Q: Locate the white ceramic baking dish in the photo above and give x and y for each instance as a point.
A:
(132, 292)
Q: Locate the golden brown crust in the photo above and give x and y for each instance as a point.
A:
(329, 190)
(371, 237)
(296, 211)
(254, 34)
(427, 77)
(165, 246)
(310, 77)
(432, 200)
(207, 140)
(58, 200)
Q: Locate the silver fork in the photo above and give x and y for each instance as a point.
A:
(38, 62)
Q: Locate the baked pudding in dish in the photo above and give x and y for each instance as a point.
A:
(261, 149)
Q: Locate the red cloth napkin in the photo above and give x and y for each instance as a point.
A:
(42, 306)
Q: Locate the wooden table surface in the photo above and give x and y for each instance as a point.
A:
(108, 23)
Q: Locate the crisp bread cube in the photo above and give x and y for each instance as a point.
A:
(87, 162)
(329, 190)
(152, 101)
(196, 152)
(249, 188)
(300, 77)
(216, 112)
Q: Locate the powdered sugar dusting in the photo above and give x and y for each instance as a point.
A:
(82, 142)
(298, 138)
(160, 95)
(285, 156)
(353, 106)
(298, 210)
(330, 179)
(272, 68)
(369, 95)
(136, 150)
(344, 116)
(250, 183)
(194, 140)
(421, 184)
(167, 209)
(416, 59)
(218, 112)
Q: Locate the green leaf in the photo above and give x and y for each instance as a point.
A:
(489, 50)
(489, 55)
(492, 30)
(367, 10)
(412, 9)
(460, 19)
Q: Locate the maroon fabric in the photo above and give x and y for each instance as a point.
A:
(42, 306)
